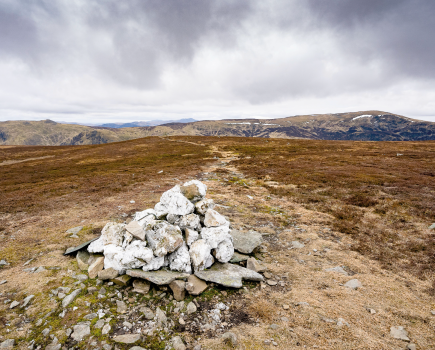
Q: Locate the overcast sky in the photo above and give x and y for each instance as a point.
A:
(98, 61)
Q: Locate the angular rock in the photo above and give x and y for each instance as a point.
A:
(214, 219)
(161, 318)
(200, 255)
(99, 324)
(297, 245)
(338, 269)
(106, 329)
(228, 275)
(353, 284)
(79, 247)
(195, 286)
(191, 221)
(237, 257)
(178, 288)
(173, 219)
(54, 345)
(96, 267)
(27, 300)
(175, 202)
(201, 207)
(70, 298)
(93, 257)
(191, 236)
(399, 333)
(112, 233)
(121, 307)
(90, 317)
(3, 282)
(136, 230)
(108, 274)
(177, 343)
(82, 258)
(224, 251)
(161, 210)
(432, 227)
(180, 260)
(127, 338)
(14, 304)
(142, 287)
(122, 281)
(148, 222)
(74, 230)
(137, 348)
(194, 190)
(191, 308)
(160, 277)
(147, 312)
(215, 235)
(255, 265)
(246, 242)
(230, 338)
(156, 263)
(8, 344)
(142, 214)
(166, 239)
(80, 331)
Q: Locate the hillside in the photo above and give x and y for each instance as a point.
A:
(357, 126)
(348, 243)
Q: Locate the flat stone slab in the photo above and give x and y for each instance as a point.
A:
(79, 247)
(74, 230)
(246, 242)
(237, 257)
(159, 277)
(228, 275)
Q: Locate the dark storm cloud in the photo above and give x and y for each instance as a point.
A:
(398, 32)
(132, 53)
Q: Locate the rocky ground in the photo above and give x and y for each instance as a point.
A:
(316, 294)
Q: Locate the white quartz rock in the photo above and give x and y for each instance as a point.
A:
(155, 264)
(96, 246)
(200, 255)
(191, 236)
(113, 256)
(194, 190)
(141, 214)
(215, 235)
(161, 210)
(136, 255)
(224, 251)
(112, 233)
(173, 219)
(175, 203)
(180, 260)
(214, 219)
(191, 221)
(201, 207)
(166, 239)
(128, 238)
(148, 222)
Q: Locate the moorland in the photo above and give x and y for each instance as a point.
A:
(364, 206)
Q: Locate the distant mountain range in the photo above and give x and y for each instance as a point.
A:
(358, 126)
(146, 123)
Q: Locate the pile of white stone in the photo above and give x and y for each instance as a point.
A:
(182, 233)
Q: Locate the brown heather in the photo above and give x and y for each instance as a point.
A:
(360, 205)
